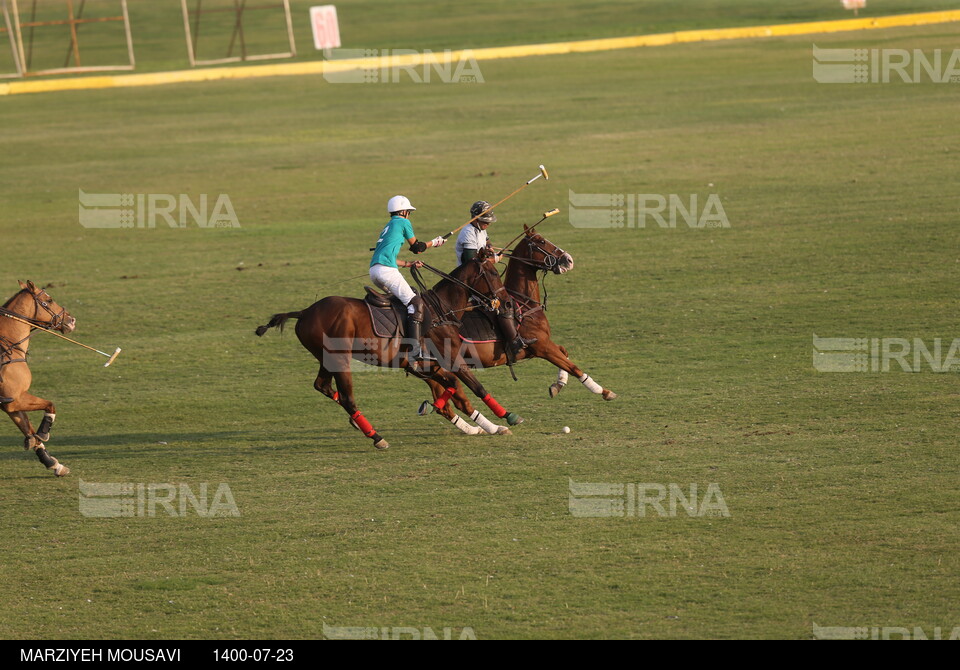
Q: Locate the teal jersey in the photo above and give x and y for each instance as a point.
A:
(398, 231)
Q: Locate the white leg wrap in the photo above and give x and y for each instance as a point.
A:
(593, 386)
(562, 378)
(52, 417)
(464, 426)
(482, 421)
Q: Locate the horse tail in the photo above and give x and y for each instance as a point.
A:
(278, 321)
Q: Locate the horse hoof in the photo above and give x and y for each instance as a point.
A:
(503, 430)
(425, 408)
(554, 390)
(609, 395)
(513, 419)
(59, 469)
(381, 444)
(32, 442)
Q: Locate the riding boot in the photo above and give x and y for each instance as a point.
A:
(415, 332)
(515, 343)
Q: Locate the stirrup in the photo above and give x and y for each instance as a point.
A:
(519, 344)
(6, 401)
(422, 355)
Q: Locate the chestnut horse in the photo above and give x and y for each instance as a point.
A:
(35, 307)
(337, 329)
(532, 255)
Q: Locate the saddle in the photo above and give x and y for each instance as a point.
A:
(480, 327)
(483, 327)
(387, 314)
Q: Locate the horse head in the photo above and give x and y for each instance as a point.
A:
(536, 250)
(45, 312)
(480, 275)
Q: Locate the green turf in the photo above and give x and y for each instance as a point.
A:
(840, 486)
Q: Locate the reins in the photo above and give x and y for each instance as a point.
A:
(431, 295)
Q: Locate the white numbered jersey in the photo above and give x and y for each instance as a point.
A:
(470, 238)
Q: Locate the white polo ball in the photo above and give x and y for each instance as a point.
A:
(566, 429)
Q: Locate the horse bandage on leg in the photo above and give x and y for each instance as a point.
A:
(363, 424)
(485, 423)
(44, 432)
(495, 406)
(593, 386)
(48, 461)
(442, 401)
(562, 377)
(464, 426)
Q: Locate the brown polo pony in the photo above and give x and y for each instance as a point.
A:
(532, 255)
(37, 308)
(337, 329)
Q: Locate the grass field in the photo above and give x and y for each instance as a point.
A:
(842, 208)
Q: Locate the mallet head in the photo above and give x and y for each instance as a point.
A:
(112, 358)
(543, 173)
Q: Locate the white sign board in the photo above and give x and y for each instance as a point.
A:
(326, 29)
(854, 4)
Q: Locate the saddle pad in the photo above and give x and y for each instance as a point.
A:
(387, 320)
(478, 328)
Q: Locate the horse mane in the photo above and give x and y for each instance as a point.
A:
(455, 273)
(13, 297)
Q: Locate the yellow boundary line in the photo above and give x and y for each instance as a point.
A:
(494, 53)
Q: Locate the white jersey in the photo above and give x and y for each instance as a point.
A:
(470, 237)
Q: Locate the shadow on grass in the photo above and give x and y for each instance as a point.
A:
(139, 444)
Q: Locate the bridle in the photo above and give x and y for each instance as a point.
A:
(550, 260)
(487, 275)
(56, 318)
(484, 299)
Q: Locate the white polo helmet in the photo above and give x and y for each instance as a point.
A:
(399, 203)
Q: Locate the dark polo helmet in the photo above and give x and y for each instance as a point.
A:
(477, 210)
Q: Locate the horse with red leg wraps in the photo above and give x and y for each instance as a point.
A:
(533, 254)
(28, 310)
(337, 329)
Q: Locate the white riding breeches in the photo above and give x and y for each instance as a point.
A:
(390, 279)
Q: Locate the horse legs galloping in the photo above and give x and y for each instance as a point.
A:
(343, 396)
(442, 398)
(464, 374)
(17, 411)
(446, 390)
(558, 356)
(323, 385)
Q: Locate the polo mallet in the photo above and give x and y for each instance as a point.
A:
(543, 173)
(111, 357)
(546, 215)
